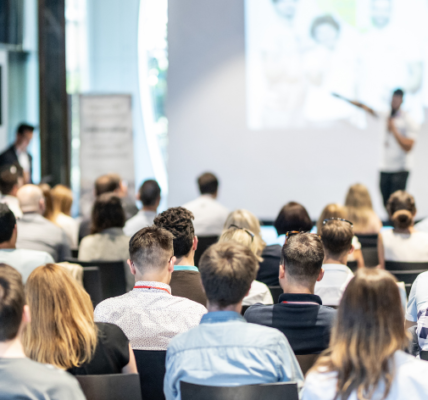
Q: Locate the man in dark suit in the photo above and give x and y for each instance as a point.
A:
(17, 153)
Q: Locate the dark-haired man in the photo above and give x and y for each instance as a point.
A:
(150, 196)
(209, 214)
(18, 154)
(149, 315)
(11, 179)
(300, 315)
(336, 237)
(185, 280)
(22, 378)
(23, 260)
(224, 350)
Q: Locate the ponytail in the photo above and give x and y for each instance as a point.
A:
(402, 219)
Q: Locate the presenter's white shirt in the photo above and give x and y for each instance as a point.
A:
(334, 282)
(409, 382)
(24, 160)
(209, 214)
(395, 159)
(405, 247)
(417, 308)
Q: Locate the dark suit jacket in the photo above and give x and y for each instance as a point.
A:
(9, 157)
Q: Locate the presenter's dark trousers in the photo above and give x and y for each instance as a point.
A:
(390, 182)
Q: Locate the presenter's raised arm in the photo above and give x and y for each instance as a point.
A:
(357, 104)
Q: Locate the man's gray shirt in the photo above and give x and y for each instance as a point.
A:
(35, 232)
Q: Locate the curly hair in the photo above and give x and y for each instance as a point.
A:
(178, 221)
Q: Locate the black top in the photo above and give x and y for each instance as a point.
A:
(9, 157)
(306, 325)
(111, 353)
(269, 268)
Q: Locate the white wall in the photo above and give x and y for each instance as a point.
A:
(259, 170)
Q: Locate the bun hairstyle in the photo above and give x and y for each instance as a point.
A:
(401, 209)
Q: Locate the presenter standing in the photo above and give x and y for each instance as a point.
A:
(400, 138)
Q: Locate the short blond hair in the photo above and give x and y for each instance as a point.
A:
(62, 199)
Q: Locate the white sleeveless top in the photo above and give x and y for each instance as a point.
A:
(405, 247)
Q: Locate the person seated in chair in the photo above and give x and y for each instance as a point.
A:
(11, 179)
(22, 378)
(149, 315)
(336, 237)
(300, 315)
(224, 350)
(186, 279)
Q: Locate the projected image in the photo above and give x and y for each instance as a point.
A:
(300, 52)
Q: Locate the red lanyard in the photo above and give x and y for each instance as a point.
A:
(300, 302)
(152, 287)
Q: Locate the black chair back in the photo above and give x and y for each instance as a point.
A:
(367, 240)
(276, 291)
(244, 308)
(405, 266)
(203, 243)
(352, 265)
(110, 387)
(306, 361)
(74, 253)
(271, 391)
(112, 275)
(151, 368)
(92, 284)
(370, 255)
(424, 355)
(408, 277)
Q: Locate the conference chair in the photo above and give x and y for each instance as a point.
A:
(271, 391)
(424, 355)
(203, 243)
(244, 308)
(112, 275)
(151, 369)
(352, 265)
(74, 253)
(92, 284)
(110, 387)
(369, 249)
(306, 361)
(406, 272)
(275, 291)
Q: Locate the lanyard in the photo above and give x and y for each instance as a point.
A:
(300, 302)
(151, 287)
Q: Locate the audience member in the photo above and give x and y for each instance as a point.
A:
(107, 241)
(366, 358)
(150, 196)
(337, 211)
(62, 199)
(403, 243)
(23, 260)
(208, 212)
(292, 217)
(185, 280)
(224, 350)
(300, 315)
(18, 154)
(259, 292)
(360, 211)
(336, 237)
(35, 231)
(63, 332)
(109, 183)
(11, 180)
(22, 378)
(149, 315)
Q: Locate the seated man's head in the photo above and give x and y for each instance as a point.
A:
(11, 179)
(150, 194)
(110, 183)
(107, 212)
(208, 184)
(336, 237)
(151, 255)
(227, 271)
(31, 199)
(14, 314)
(178, 221)
(301, 265)
(8, 231)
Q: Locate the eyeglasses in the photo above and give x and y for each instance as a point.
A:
(246, 230)
(337, 219)
(291, 233)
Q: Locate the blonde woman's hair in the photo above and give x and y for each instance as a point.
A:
(47, 194)
(241, 236)
(369, 329)
(358, 205)
(62, 331)
(62, 200)
(246, 219)
(332, 210)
